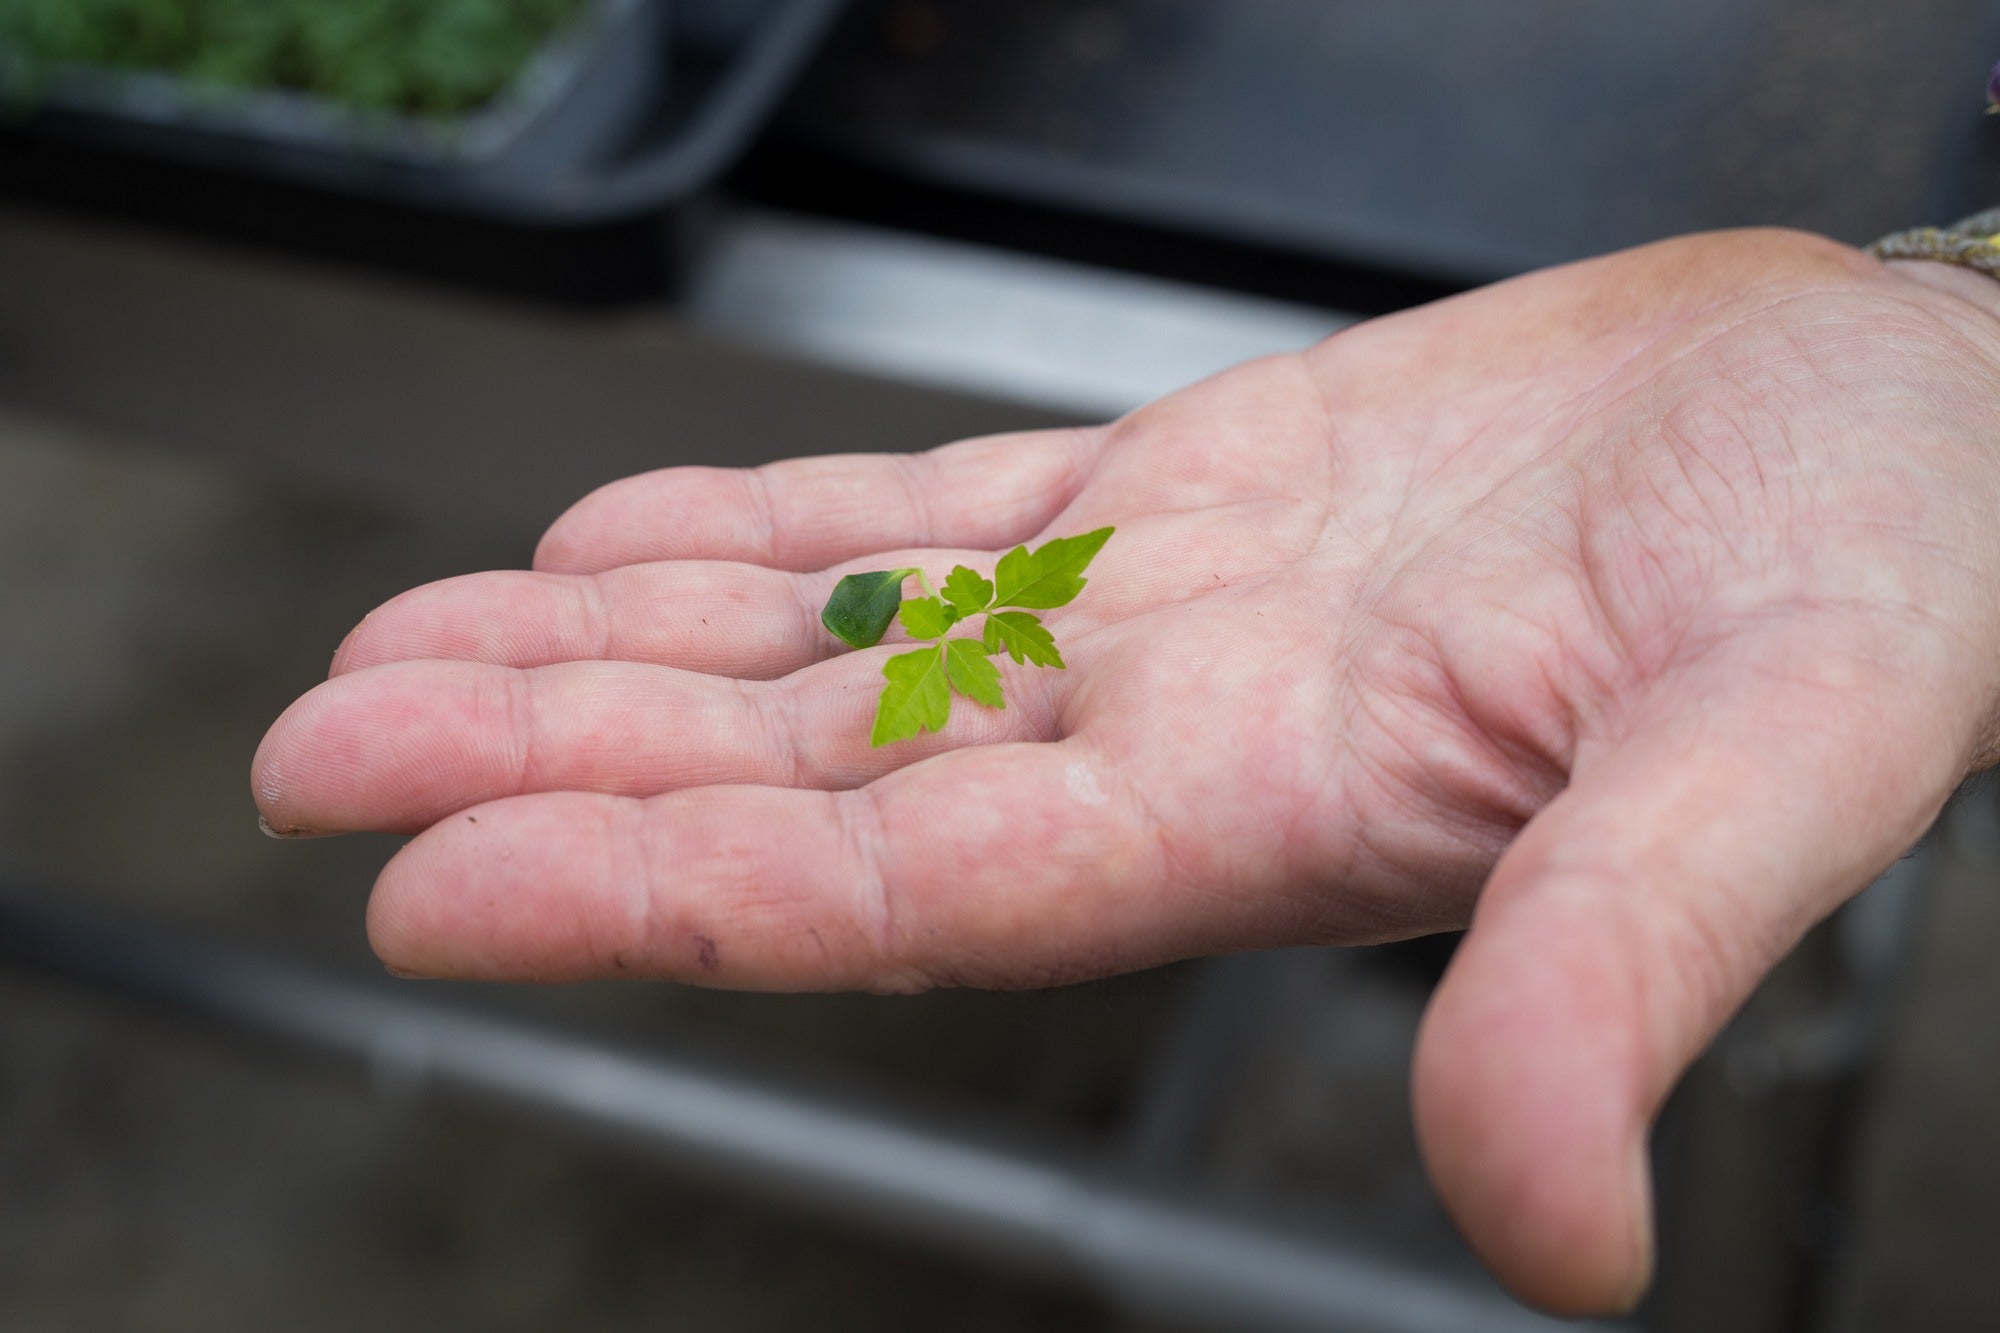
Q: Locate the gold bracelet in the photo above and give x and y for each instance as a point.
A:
(1973, 242)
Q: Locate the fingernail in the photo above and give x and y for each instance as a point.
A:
(338, 653)
(1641, 1195)
(293, 832)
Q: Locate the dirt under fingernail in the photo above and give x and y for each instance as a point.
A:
(292, 832)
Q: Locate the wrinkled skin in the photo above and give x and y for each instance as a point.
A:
(1636, 613)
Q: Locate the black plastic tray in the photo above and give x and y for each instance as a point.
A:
(634, 122)
(1451, 140)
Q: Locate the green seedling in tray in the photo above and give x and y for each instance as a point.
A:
(432, 58)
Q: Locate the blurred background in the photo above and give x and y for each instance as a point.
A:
(305, 302)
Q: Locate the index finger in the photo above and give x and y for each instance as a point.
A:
(1012, 864)
(805, 514)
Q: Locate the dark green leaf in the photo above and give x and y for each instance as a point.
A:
(973, 673)
(1050, 575)
(1023, 637)
(926, 618)
(862, 606)
(916, 697)
(967, 591)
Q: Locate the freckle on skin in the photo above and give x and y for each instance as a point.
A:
(704, 953)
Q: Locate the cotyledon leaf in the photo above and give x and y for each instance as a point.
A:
(916, 697)
(862, 606)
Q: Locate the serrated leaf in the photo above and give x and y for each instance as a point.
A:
(1022, 636)
(915, 699)
(973, 673)
(862, 605)
(926, 618)
(967, 591)
(1050, 575)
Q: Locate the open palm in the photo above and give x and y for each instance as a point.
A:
(1650, 606)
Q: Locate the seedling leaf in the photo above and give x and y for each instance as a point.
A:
(1023, 637)
(1050, 575)
(926, 618)
(916, 697)
(862, 605)
(973, 673)
(967, 591)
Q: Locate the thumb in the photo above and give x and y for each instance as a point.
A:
(1621, 929)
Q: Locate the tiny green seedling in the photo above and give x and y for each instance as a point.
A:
(439, 59)
(918, 695)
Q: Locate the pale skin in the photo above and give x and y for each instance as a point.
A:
(1635, 614)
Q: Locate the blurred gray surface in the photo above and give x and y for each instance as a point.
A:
(1022, 329)
(796, 338)
(1925, 1172)
(450, 407)
(1445, 137)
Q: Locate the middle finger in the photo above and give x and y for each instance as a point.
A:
(399, 746)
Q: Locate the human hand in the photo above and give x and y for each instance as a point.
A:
(1637, 613)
